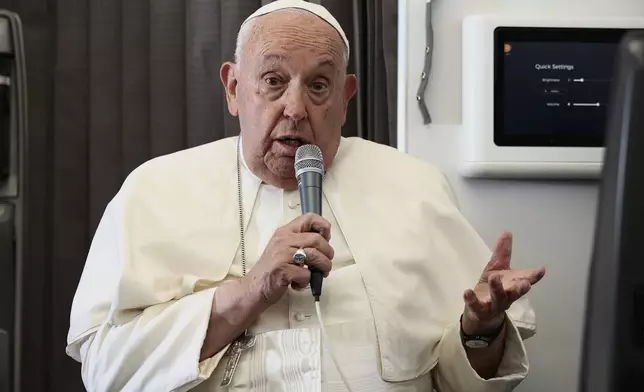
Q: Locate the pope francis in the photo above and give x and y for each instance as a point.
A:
(197, 275)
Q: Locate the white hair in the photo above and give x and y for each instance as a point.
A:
(247, 28)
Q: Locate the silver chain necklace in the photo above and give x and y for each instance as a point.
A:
(246, 340)
(241, 209)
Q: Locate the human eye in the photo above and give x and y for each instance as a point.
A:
(272, 81)
(319, 86)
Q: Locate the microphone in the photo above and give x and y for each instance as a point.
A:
(309, 171)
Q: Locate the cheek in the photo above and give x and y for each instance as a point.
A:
(326, 124)
(330, 115)
(258, 113)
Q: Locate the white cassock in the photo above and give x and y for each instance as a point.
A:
(403, 257)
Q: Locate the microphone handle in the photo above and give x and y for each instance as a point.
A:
(311, 197)
(310, 186)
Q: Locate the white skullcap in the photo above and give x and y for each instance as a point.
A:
(315, 9)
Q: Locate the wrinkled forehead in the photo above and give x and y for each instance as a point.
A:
(310, 8)
(288, 38)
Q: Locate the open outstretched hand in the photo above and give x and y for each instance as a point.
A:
(498, 287)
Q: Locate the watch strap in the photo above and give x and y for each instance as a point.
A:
(481, 341)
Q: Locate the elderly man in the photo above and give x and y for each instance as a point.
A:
(191, 281)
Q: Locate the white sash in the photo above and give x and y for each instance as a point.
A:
(289, 361)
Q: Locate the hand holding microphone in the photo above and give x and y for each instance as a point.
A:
(276, 269)
(305, 239)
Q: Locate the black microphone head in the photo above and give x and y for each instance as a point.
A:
(308, 158)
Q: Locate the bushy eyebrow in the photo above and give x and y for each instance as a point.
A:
(269, 59)
(273, 57)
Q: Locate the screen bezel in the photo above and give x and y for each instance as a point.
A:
(504, 34)
(612, 346)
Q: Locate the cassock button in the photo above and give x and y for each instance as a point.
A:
(299, 316)
(292, 204)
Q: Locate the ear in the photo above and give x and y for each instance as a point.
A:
(350, 88)
(229, 80)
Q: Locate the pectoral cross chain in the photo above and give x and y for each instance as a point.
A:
(234, 353)
(245, 341)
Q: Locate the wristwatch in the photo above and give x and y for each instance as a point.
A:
(481, 341)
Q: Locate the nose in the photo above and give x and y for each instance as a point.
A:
(295, 105)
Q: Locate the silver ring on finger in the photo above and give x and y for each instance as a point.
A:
(299, 257)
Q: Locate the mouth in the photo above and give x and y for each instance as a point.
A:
(287, 146)
(297, 142)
